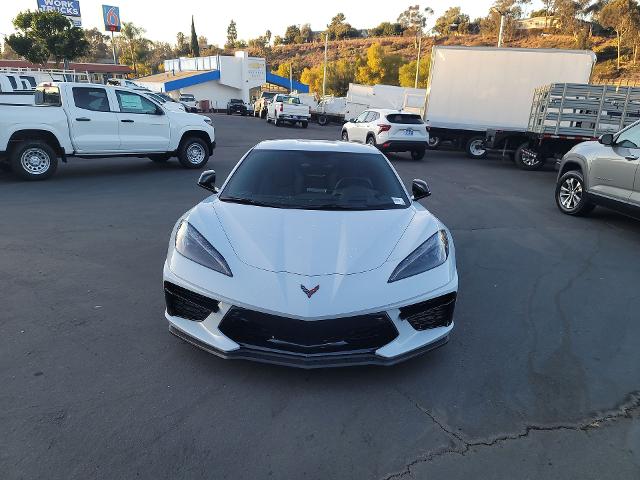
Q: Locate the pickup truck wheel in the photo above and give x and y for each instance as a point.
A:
(305, 124)
(160, 157)
(263, 113)
(571, 196)
(371, 140)
(527, 158)
(417, 154)
(475, 147)
(345, 136)
(193, 153)
(323, 120)
(277, 122)
(33, 160)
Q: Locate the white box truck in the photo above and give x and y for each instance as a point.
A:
(477, 94)
(363, 97)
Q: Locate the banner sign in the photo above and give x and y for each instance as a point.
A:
(68, 8)
(111, 16)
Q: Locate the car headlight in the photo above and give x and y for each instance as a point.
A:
(191, 243)
(431, 254)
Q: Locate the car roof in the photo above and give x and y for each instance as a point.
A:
(316, 146)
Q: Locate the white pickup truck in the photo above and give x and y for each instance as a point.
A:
(288, 108)
(86, 120)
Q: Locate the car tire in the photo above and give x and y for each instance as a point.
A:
(193, 153)
(323, 120)
(277, 122)
(33, 160)
(474, 147)
(305, 124)
(571, 196)
(345, 136)
(434, 143)
(371, 140)
(160, 157)
(417, 154)
(263, 113)
(526, 159)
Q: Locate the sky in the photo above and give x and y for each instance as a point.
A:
(163, 19)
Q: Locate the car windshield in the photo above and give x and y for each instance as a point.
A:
(315, 180)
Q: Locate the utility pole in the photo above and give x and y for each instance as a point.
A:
(503, 15)
(418, 62)
(290, 77)
(324, 70)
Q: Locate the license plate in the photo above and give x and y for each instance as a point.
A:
(408, 132)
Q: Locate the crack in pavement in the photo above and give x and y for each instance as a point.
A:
(462, 446)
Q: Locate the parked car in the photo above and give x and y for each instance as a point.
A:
(260, 105)
(123, 82)
(313, 254)
(168, 104)
(288, 109)
(86, 120)
(390, 131)
(604, 172)
(189, 101)
(236, 106)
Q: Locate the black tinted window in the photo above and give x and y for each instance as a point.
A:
(90, 98)
(316, 180)
(134, 103)
(405, 118)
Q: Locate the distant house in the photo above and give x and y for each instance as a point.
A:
(536, 23)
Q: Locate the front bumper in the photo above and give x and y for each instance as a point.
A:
(399, 340)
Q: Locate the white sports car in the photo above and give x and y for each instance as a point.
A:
(312, 254)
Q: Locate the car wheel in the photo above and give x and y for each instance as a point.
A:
(527, 158)
(417, 154)
(160, 157)
(33, 160)
(193, 153)
(571, 196)
(228, 112)
(263, 113)
(345, 136)
(371, 140)
(434, 142)
(277, 122)
(305, 124)
(323, 120)
(475, 147)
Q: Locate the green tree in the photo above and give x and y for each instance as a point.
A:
(407, 73)
(8, 53)
(513, 9)
(98, 47)
(339, 74)
(195, 46)
(306, 34)
(339, 28)
(135, 46)
(292, 35)
(379, 67)
(387, 29)
(232, 35)
(44, 36)
(414, 19)
(623, 17)
(182, 46)
(452, 21)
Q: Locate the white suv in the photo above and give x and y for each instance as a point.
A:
(390, 131)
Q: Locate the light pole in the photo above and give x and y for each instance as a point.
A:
(324, 70)
(418, 62)
(502, 14)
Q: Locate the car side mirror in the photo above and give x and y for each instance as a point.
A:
(606, 139)
(207, 180)
(420, 189)
(351, 120)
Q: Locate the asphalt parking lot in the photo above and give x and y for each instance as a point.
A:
(541, 378)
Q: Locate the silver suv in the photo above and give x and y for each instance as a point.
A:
(603, 173)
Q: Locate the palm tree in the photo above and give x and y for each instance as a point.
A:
(132, 34)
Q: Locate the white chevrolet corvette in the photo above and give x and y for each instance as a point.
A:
(312, 254)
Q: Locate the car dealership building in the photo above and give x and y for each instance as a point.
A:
(218, 78)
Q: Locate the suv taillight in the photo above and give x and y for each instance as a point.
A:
(281, 107)
(383, 128)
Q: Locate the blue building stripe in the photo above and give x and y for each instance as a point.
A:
(284, 83)
(191, 80)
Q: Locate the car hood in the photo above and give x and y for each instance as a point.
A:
(312, 242)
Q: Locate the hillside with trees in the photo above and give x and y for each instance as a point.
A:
(386, 53)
